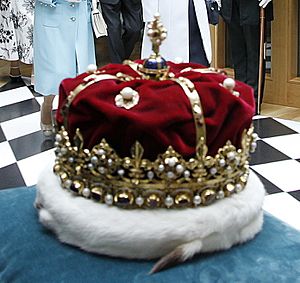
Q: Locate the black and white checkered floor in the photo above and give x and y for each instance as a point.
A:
(24, 151)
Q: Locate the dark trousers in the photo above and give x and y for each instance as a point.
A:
(124, 24)
(196, 48)
(244, 40)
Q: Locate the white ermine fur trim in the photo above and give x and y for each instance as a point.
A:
(175, 235)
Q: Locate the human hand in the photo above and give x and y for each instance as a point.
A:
(264, 3)
(219, 3)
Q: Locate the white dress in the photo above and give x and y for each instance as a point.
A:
(16, 30)
(174, 15)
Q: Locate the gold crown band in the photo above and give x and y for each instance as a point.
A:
(133, 182)
(198, 115)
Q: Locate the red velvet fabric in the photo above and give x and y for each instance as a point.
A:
(163, 115)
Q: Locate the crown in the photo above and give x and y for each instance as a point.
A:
(171, 179)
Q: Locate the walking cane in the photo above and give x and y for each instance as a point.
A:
(261, 57)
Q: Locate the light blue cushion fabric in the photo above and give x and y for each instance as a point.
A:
(30, 253)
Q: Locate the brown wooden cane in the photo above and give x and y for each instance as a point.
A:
(261, 57)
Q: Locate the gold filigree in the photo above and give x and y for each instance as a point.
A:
(170, 181)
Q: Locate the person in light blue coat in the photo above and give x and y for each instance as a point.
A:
(63, 47)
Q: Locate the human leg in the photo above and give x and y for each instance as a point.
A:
(132, 24)
(46, 116)
(237, 44)
(111, 14)
(252, 45)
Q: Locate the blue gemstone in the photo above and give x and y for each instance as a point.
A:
(155, 63)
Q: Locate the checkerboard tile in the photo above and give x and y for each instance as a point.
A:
(24, 151)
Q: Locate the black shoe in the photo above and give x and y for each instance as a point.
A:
(15, 79)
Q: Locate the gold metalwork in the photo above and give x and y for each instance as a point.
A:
(77, 186)
(157, 34)
(183, 200)
(208, 196)
(229, 189)
(103, 172)
(97, 194)
(194, 98)
(153, 201)
(124, 199)
(158, 75)
(209, 70)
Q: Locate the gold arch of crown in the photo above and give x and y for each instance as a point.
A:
(169, 181)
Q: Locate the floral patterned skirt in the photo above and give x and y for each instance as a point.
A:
(16, 30)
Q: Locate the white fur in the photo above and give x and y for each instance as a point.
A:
(147, 234)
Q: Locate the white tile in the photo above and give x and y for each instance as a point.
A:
(31, 167)
(284, 207)
(7, 155)
(259, 117)
(55, 102)
(40, 100)
(15, 95)
(291, 124)
(287, 144)
(283, 174)
(21, 126)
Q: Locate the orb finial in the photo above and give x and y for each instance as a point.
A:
(155, 67)
(157, 33)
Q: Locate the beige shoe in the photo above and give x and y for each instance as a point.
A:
(48, 130)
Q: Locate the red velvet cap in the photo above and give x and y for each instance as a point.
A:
(163, 115)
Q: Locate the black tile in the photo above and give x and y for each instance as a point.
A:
(31, 144)
(2, 136)
(11, 85)
(270, 187)
(265, 153)
(295, 194)
(11, 177)
(268, 127)
(19, 109)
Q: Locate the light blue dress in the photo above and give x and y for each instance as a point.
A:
(63, 42)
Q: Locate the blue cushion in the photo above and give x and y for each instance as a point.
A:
(30, 253)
